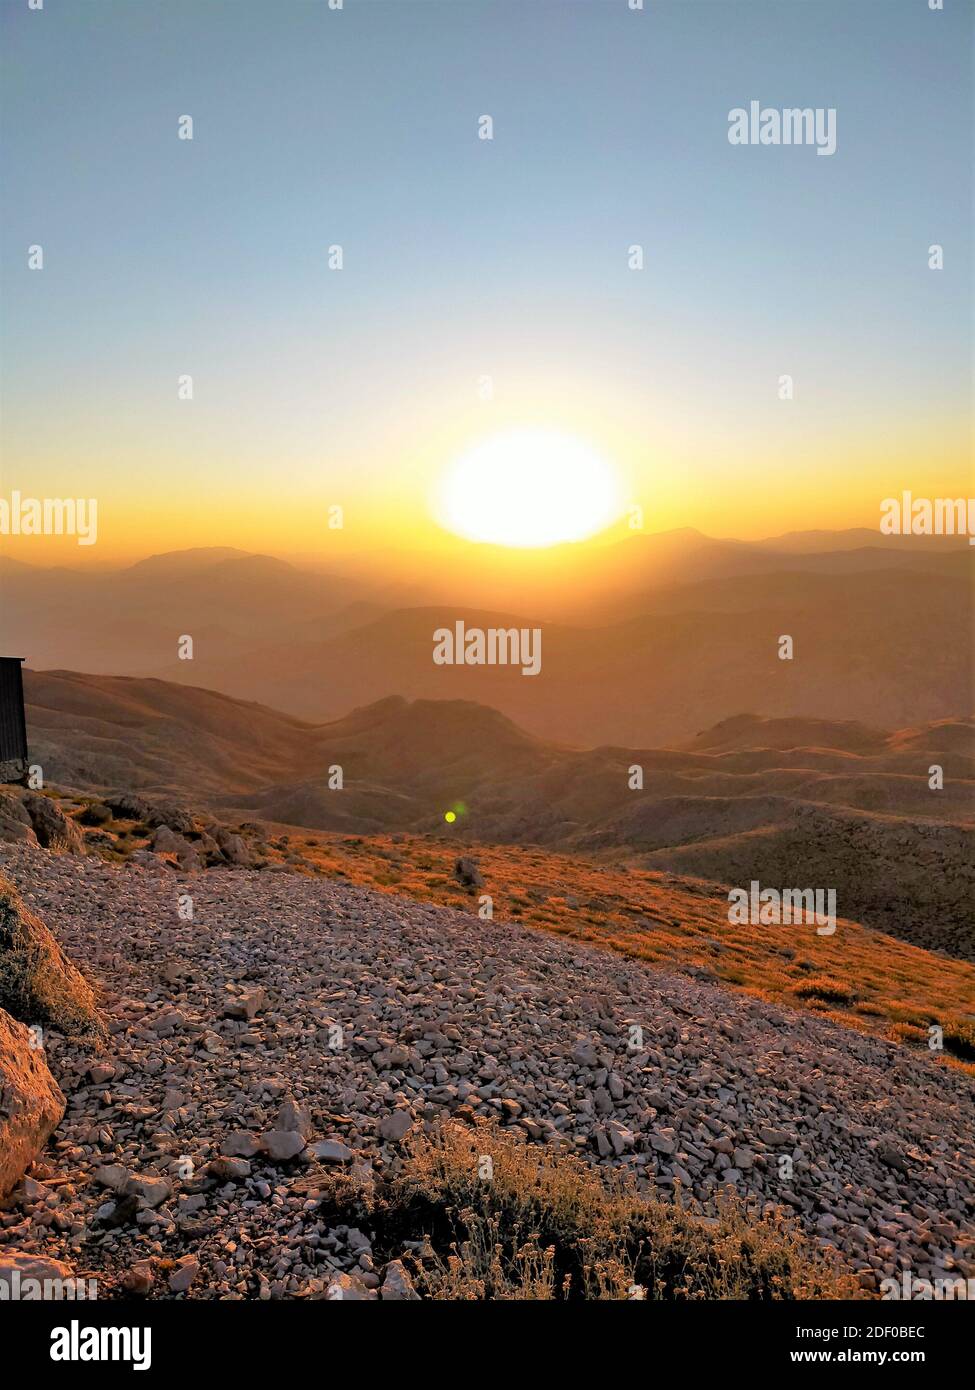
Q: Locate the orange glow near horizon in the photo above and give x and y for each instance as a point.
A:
(725, 491)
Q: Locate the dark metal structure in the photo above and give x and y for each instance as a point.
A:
(13, 723)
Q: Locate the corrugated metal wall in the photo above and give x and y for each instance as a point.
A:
(13, 730)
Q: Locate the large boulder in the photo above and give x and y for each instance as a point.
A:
(21, 1271)
(38, 984)
(15, 822)
(51, 825)
(166, 841)
(174, 817)
(127, 806)
(232, 847)
(31, 1102)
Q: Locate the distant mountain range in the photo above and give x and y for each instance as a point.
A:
(655, 637)
(806, 801)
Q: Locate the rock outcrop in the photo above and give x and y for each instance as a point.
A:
(15, 823)
(31, 1102)
(51, 825)
(38, 984)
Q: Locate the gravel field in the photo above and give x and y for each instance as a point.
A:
(295, 1023)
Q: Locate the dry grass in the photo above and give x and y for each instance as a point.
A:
(859, 977)
(829, 991)
(536, 1226)
(38, 984)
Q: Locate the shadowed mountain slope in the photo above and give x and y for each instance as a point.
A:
(753, 797)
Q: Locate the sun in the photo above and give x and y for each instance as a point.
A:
(529, 487)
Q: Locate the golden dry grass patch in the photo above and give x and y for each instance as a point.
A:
(858, 977)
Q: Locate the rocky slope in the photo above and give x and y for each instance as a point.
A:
(293, 1024)
(914, 879)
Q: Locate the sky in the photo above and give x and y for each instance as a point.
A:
(466, 258)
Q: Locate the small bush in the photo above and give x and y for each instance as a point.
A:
(959, 1039)
(546, 1227)
(908, 1033)
(829, 991)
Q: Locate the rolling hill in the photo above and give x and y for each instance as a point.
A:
(656, 638)
(810, 803)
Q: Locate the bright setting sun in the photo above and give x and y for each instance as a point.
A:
(529, 487)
